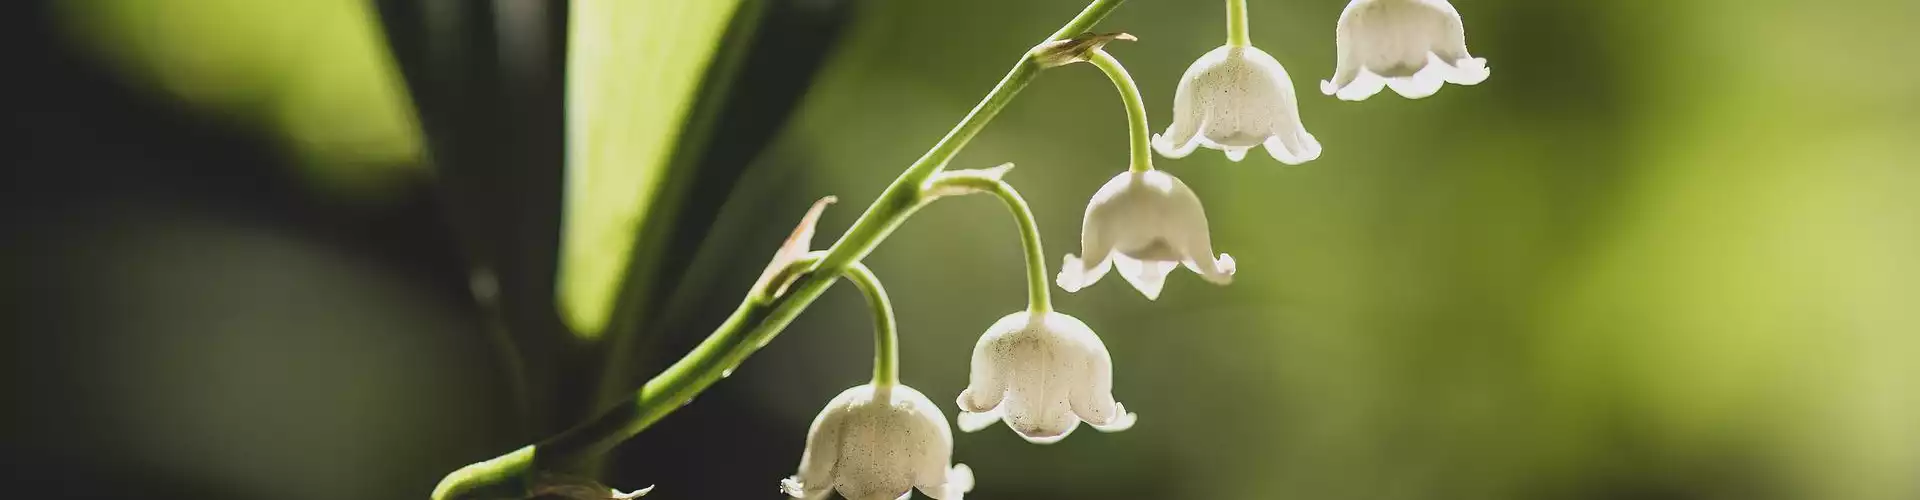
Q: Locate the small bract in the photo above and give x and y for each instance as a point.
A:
(1042, 373)
(1146, 223)
(1413, 46)
(1235, 98)
(876, 442)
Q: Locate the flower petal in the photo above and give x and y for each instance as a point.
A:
(1188, 120)
(952, 484)
(987, 377)
(794, 487)
(969, 421)
(1469, 71)
(1096, 242)
(1171, 149)
(1093, 395)
(1189, 117)
(1076, 274)
(1123, 421)
(1147, 276)
(1235, 153)
(1217, 271)
(817, 461)
(1450, 42)
(1363, 86)
(1346, 65)
(1048, 433)
(1422, 83)
(1293, 147)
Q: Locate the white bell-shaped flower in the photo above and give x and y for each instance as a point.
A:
(1145, 223)
(1413, 46)
(877, 442)
(1043, 374)
(1235, 98)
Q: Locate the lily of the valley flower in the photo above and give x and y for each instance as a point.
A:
(1145, 223)
(1235, 98)
(1413, 46)
(1043, 373)
(876, 442)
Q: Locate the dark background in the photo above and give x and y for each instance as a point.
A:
(1667, 251)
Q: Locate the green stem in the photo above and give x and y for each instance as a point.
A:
(886, 340)
(1039, 296)
(1138, 140)
(1237, 23)
(758, 318)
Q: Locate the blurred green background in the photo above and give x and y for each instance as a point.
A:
(1669, 250)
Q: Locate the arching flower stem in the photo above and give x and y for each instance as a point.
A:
(1039, 295)
(1237, 24)
(886, 341)
(1139, 140)
(759, 317)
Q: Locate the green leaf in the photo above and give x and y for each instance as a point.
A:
(315, 71)
(634, 72)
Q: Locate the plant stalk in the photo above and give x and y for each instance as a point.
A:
(758, 318)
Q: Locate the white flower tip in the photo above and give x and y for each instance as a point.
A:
(974, 421)
(1121, 421)
(1226, 267)
(1364, 85)
(1039, 436)
(1151, 292)
(1354, 93)
(1149, 277)
(1164, 145)
(1470, 71)
(1308, 149)
(792, 487)
(1236, 154)
(1419, 86)
(959, 480)
(1073, 274)
(971, 401)
(617, 495)
(1329, 88)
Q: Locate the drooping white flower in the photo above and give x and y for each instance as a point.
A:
(1235, 98)
(1145, 223)
(1413, 46)
(876, 442)
(1043, 374)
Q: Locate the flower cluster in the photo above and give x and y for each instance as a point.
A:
(1040, 371)
(1238, 96)
(1043, 372)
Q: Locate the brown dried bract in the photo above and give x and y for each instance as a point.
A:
(1073, 50)
(798, 243)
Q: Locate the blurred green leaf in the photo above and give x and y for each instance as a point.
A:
(633, 74)
(315, 71)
